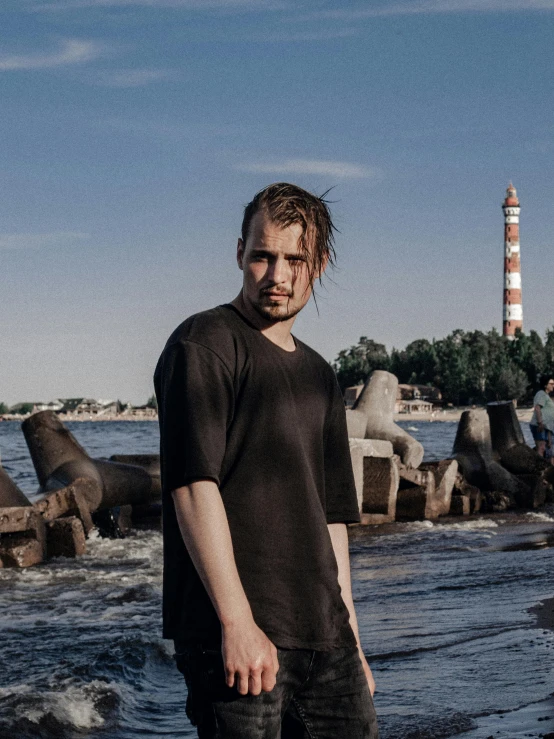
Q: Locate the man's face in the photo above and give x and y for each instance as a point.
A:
(276, 276)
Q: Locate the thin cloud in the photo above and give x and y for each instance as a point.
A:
(23, 241)
(71, 51)
(184, 4)
(133, 77)
(307, 36)
(430, 7)
(340, 170)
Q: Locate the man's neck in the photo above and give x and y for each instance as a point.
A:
(278, 332)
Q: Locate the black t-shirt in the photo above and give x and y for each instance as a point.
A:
(269, 427)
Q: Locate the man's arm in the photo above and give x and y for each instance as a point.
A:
(339, 540)
(249, 656)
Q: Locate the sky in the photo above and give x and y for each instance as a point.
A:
(133, 132)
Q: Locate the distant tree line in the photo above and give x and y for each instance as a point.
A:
(467, 366)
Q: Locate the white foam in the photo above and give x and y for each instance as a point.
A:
(420, 525)
(477, 524)
(74, 706)
(539, 516)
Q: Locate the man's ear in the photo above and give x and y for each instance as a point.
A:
(240, 252)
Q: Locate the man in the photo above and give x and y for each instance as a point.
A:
(258, 488)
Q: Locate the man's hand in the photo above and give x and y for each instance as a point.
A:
(368, 674)
(249, 657)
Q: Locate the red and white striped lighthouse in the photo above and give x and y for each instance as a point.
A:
(513, 309)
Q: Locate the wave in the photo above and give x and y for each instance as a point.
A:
(27, 710)
(536, 516)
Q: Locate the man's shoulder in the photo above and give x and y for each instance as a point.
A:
(216, 330)
(205, 326)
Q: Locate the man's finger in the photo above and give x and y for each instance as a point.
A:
(254, 684)
(242, 683)
(229, 677)
(275, 659)
(268, 680)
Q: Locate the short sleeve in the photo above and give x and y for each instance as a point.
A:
(195, 396)
(341, 500)
(540, 398)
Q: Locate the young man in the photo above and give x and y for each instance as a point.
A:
(258, 488)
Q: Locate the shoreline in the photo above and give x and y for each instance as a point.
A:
(450, 414)
(454, 414)
(82, 418)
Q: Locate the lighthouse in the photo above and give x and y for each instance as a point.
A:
(513, 309)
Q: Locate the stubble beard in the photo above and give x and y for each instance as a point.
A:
(275, 313)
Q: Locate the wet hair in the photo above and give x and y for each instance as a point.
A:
(286, 204)
(545, 379)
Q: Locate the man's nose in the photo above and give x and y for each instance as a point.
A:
(279, 271)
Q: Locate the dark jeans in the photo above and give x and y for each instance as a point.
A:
(318, 695)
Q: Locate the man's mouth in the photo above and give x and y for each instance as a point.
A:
(273, 295)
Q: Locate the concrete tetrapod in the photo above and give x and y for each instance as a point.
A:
(10, 495)
(59, 460)
(508, 442)
(372, 418)
(22, 531)
(22, 537)
(473, 451)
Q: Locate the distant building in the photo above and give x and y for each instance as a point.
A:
(139, 411)
(92, 407)
(70, 404)
(53, 405)
(409, 398)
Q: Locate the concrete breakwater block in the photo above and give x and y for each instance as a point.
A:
(69, 501)
(508, 443)
(538, 490)
(65, 537)
(474, 454)
(417, 498)
(371, 417)
(445, 473)
(22, 537)
(10, 494)
(416, 503)
(375, 477)
(461, 487)
(380, 489)
(150, 462)
(59, 460)
(460, 505)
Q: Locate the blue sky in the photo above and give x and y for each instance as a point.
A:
(134, 131)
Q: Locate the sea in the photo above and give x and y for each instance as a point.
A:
(449, 612)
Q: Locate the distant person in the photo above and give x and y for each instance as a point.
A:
(542, 421)
(257, 491)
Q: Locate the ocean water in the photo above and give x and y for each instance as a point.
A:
(443, 612)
